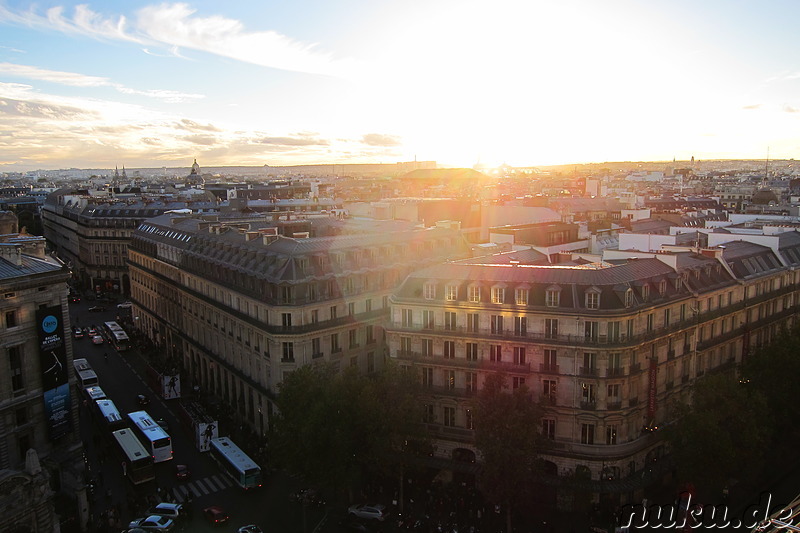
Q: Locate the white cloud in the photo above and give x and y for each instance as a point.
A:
(81, 80)
(177, 26)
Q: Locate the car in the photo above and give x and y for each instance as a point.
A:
(174, 511)
(163, 423)
(252, 528)
(142, 400)
(74, 299)
(77, 332)
(371, 511)
(97, 339)
(153, 523)
(97, 309)
(182, 472)
(91, 331)
(124, 305)
(215, 514)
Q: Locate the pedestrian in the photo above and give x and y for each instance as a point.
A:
(124, 468)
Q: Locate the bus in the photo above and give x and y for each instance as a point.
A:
(138, 464)
(94, 393)
(83, 371)
(116, 336)
(244, 471)
(153, 436)
(108, 416)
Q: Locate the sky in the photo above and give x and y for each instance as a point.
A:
(460, 82)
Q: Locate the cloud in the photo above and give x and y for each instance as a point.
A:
(206, 140)
(81, 80)
(191, 125)
(379, 139)
(175, 26)
(791, 109)
(20, 108)
(751, 106)
(292, 141)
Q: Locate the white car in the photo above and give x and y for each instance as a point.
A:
(371, 511)
(97, 339)
(153, 523)
(170, 510)
(124, 305)
(252, 528)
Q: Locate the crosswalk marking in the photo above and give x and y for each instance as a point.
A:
(201, 487)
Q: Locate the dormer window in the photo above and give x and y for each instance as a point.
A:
(662, 287)
(521, 296)
(498, 295)
(552, 297)
(678, 283)
(629, 298)
(451, 293)
(430, 291)
(645, 292)
(474, 293)
(593, 299)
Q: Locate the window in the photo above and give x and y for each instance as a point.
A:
(471, 379)
(650, 322)
(517, 382)
(430, 291)
(353, 337)
(288, 352)
(662, 287)
(629, 298)
(370, 361)
(335, 347)
(451, 293)
(449, 416)
(612, 392)
(405, 345)
(520, 326)
(22, 416)
(588, 393)
(427, 414)
(587, 433)
(593, 300)
(611, 433)
(351, 308)
(591, 330)
(472, 322)
(667, 317)
(451, 379)
(645, 292)
(472, 351)
(549, 428)
(589, 361)
(550, 359)
(368, 305)
(286, 320)
(314, 316)
(498, 295)
(333, 312)
(407, 318)
(11, 319)
(613, 331)
(521, 296)
(427, 347)
(552, 298)
(449, 320)
(519, 355)
(614, 361)
(496, 353)
(497, 324)
(549, 390)
(15, 364)
(427, 377)
(550, 328)
(469, 423)
(449, 349)
(312, 292)
(427, 319)
(370, 334)
(316, 350)
(474, 294)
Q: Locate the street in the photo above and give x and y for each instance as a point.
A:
(121, 377)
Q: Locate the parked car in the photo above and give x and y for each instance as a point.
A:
(77, 332)
(74, 299)
(215, 515)
(97, 309)
(142, 400)
(97, 339)
(252, 528)
(170, 510)
(371, 511)
(124, 305)
(153, 523)
(182, 472)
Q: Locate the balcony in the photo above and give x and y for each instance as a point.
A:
(670, 355)
(549, 399)
(588, 405)
(615, 405)
(548, 369)
(636, 368)
(615, 372)
(317, 355)
(589, 371)
(633, 402)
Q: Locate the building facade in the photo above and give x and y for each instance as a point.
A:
(243, 301)
(607, 346)
(40, 452)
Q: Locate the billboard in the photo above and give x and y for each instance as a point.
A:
(171, 387)
(205, 432)
(53, 364)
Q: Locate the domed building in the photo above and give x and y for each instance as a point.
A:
(764, 197)
(195, 179)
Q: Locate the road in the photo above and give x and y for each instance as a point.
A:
(121, 377)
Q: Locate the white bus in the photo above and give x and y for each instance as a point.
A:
(83, 371)
(108, 415)
(94, 393)
(153, 436)
(138, 464)
(244, 471)
(116, 336)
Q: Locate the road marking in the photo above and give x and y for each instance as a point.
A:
(226, 481)
(202, 487)
(194, 490)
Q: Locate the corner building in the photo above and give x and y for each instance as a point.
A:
(607, 346)
(243, 301)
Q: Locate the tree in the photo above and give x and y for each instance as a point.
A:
(722, 434)
(507, 433)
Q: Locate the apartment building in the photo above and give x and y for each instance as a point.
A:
(244, 300)
(606, 345)
(39, 444)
